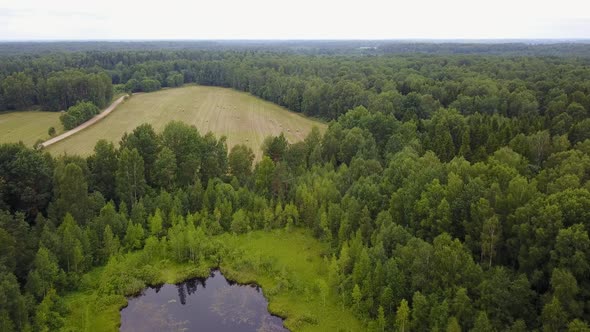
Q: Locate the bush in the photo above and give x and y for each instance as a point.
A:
(77, 114)
(132, 85)
(149, 85)
(240, 222)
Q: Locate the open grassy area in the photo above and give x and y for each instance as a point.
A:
(27, 126)
(92, 311)
(254, 258)
(298, 256)
(241, 117)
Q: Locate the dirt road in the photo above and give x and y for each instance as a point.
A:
(86, 124)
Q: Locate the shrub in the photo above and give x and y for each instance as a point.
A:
(77, 114)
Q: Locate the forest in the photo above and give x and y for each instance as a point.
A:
(452, 189)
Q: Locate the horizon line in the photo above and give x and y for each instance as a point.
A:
(451, 40)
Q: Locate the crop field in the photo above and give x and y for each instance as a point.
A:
(241, 117)
(27, 126)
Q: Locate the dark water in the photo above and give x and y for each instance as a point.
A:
(212, 304)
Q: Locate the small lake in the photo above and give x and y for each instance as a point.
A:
(212, 304)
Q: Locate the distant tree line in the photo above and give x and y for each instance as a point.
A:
(55, 90)
(410, 87)
(313, 47)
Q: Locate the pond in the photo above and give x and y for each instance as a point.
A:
(212, 304)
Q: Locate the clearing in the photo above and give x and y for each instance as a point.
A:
(241, 117)
(252, 257)
(27, 126)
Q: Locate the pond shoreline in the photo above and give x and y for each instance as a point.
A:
(292, 264)
(215, 275)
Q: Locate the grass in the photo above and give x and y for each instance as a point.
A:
(295, 254)
(94, 312)
(27, 126)
(299, 256)
(30, 126)
(241, 117)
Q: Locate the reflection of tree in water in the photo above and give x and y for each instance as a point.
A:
(192, 285)
(189, 288)
(239, 305)
(231, 304)
(146, 316)
(181, 293)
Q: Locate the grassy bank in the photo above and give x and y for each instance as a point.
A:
(288, 266)
(91, 310)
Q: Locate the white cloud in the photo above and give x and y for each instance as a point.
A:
(302, 19)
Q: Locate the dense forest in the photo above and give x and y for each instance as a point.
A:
(453, 190)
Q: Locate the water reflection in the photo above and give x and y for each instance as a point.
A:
(212, 304)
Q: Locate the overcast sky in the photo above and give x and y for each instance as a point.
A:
(293, 19)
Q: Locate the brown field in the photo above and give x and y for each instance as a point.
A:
(241, 117)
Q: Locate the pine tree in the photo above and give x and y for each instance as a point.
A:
(357, 296)
(155, 223)
(402, 317)
(482, 323)
(381, 318)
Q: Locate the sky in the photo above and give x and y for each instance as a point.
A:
(293, 19)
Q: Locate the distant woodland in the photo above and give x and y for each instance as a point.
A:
(453, 189)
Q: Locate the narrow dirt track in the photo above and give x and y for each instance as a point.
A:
(86, 124)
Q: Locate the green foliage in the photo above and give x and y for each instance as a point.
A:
(14, 315)
(18, 90)
(146, 142)
(402, 317)
(70, 192)
(149, 85)
(133, 237)
(78, 114)
(577, 326)
(25, 183)
(45, 274)
(482, 323)
(130, 177)
(69, 87)
(72, 245)
(110, 246)
(553, 317)
(240, 162)
(240, 222)
(164, 174)
(275, 147)
(155, 223)
(103, 166)
(174, 79)
(49, 313)
(459, 182)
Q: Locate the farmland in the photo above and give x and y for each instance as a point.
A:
(28, 126)
(244, 119)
